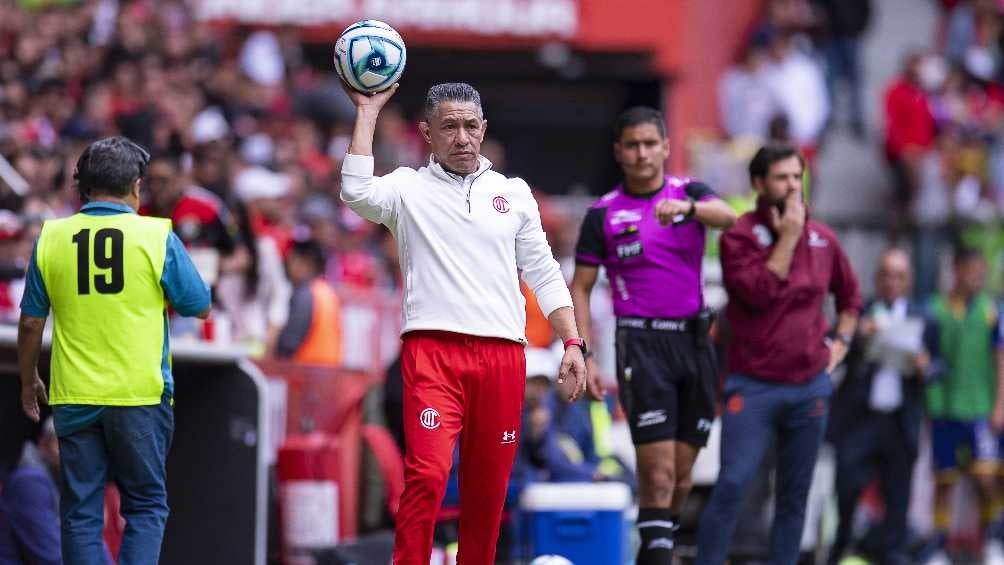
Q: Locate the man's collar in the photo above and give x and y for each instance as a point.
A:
(103, 204)
(437, 169)
(648, 195)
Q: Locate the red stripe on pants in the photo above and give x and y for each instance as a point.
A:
(457, 383)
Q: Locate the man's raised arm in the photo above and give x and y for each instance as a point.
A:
(361, 191)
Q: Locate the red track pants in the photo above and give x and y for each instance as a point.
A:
(457, 383)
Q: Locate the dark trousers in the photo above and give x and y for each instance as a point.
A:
(875, 448)
(842, 65)
(129, 446)
(757, 411)
(928, 245)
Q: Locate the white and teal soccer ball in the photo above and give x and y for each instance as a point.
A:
(551, 560)
(370, 56)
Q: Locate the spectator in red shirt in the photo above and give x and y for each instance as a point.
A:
(201, 219)
(910, 124)
(778, 266)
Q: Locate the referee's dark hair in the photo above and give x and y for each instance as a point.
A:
(770, 154)
(311, 251)
(110, 167)
(637, 116)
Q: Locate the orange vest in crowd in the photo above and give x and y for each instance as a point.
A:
(323, 344)
(538, 329)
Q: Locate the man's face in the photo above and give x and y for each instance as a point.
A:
(296, 269)
(894, 276)
(326, 232)
(971, 275)
(164, 183)
(783, 179)
(536, 390)
(642, 152)
(455, 132)
(210, 168)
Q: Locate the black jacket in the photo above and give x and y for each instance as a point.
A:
(849, 409)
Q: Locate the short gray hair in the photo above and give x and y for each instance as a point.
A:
(450, 92)
(110, 166)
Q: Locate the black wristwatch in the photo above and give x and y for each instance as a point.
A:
(843, 338)
(692, 210)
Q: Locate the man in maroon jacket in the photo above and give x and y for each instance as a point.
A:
(778, 266)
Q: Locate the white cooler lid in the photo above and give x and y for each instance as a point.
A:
(576, 496)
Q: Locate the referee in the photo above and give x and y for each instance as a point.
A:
(649, 234)
(108, 275)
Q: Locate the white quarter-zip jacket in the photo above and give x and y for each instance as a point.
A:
(463, 244)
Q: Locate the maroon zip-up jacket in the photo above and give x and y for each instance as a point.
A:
(778, 326)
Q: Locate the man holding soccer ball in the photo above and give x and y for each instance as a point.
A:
(465, 234)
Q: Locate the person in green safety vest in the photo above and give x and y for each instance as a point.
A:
(965, 405)
(108, 275)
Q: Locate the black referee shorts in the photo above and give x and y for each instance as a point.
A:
(666, 382)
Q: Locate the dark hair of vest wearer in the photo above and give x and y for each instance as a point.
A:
(110, 167)
(311, 251)
(449, 92)
(770, 154)
(966, 253)
(636, 116)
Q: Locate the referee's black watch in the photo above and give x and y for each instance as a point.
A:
(693, 209)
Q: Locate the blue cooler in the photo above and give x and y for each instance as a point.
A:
(583, 522)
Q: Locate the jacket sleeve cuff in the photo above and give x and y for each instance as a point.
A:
(357, 165)
(851, 305)
(553, 299)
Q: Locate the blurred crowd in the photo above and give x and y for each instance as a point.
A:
(799, 77)
(789, 71)
(796, 78)
(246, 140)
(943, 141)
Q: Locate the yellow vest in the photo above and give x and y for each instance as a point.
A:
(102, 275)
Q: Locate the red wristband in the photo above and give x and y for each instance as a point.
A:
(577, 341)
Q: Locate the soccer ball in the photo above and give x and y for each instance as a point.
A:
(370, 56)
(551, 560)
